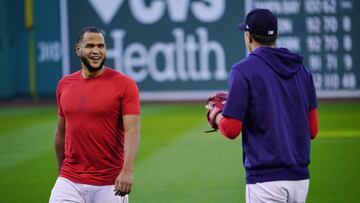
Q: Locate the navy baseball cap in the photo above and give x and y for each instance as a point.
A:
(260, 22)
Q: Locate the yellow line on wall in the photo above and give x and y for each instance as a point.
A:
(29, 25)
(29, 21)
(32, 69)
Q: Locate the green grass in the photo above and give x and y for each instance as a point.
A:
(177, 162)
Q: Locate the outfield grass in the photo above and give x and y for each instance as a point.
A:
(177, 162)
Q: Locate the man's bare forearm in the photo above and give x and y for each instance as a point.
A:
(132, 140)
(60, 142)
(59, 149)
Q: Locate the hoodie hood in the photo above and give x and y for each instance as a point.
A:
(280, 60)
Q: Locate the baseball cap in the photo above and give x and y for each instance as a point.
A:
(260, 22)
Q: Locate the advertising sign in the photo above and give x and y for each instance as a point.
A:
(184, 49)
(173, 49)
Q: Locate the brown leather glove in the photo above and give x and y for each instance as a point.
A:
(215, 105)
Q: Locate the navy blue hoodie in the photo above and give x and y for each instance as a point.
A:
(272, 92)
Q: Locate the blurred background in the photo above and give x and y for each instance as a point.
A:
(179, 52)
(175, 50)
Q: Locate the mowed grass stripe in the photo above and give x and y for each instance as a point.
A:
(196, 167)
(334, 170)
(29, 181)
(25, 132)
(337, 133)
(339, 117)
(175, 130)
(17, 118)
(160, 128)
(27, 158)
(24, 136)
(25, 143)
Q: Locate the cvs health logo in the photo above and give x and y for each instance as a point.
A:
(148, 13)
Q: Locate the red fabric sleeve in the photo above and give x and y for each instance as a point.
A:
(131, 100)
(58, 90)
(229, 127)
(313, 123)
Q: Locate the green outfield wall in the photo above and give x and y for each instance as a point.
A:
(7, 87)
(175, 50)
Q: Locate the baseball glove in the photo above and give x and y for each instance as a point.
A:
(215, 105)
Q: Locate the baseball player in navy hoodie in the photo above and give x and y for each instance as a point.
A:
(272, 101)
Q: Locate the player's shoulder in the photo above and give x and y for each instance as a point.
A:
(118, 76)
(74, 75)
(70, 78)
(245, 65)
(305, 72)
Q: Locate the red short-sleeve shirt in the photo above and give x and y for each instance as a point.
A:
(94, 131)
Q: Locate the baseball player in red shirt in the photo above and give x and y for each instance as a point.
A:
(98, 131)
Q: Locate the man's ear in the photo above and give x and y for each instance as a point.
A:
(250, 38)
(77, 49)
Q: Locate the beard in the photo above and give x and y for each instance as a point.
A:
(90, 68)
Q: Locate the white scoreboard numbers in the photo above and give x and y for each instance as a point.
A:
(324, 32)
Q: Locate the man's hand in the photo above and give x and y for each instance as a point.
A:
(123, 183)
(215, 105)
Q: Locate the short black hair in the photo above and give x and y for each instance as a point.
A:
(88, 29)
(265, 40)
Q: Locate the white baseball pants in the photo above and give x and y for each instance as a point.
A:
(277, 192)
(66, 191)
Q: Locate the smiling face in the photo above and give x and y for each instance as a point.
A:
(92, 51)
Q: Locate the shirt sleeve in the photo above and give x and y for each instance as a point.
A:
(58, 96)
(229, 127)
(312, 94)
(313, 123)
(130, 104)
(238, 96)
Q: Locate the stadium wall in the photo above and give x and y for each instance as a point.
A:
(174, 50)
